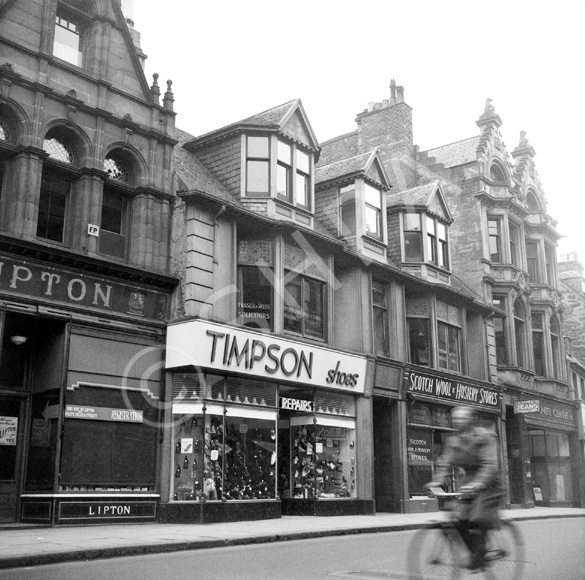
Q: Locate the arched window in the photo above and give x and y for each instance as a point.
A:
(532, 201)
(115, 205)
(555, 342)
(520, 332)
(4, 131)
(54, 198)
(496, 173)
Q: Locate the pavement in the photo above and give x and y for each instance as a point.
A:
(29, 545)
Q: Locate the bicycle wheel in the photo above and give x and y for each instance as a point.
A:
(505, 552)
(432, 553)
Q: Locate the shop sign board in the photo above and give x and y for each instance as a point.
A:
(101, 510)
(451, 389)
(104, 414)
(550, 412)
(27, 278)
(208, 345)
(527, 406)
(8, 430)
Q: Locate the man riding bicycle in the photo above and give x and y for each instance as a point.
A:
(472, 450)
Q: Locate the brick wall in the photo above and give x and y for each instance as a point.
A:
(389, 127)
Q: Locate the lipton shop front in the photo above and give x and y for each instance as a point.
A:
(258, 426)
(81, 358)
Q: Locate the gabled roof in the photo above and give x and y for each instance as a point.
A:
(275, 119)
(366, 164)
(428, 196)
(454, 154)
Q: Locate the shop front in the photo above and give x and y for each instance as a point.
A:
(79, 397)
(259, 426)
(543, 447)
(411, 429)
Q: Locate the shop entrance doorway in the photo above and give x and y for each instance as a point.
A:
(11, 444)
(31, 365)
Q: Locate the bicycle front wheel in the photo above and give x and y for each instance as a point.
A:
(505, 552)
(432, 553)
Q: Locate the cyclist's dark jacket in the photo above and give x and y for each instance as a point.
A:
(475, 454)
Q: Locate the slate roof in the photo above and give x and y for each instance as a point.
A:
(338, 169)
(420, 195)
(457, 153)
(338, 148)
(271, 117)
(192, 174)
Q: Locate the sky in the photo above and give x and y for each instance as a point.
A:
(232, 59)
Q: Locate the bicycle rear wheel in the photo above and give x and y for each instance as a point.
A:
(505, 552)
(432, 554)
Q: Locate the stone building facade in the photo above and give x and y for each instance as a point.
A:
(87, 188)
(503, 248)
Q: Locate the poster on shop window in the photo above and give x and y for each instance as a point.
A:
(8, 430)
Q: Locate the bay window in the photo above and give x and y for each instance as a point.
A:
(303, 179)
(495, 240)
(514, 244)
(284, 170)
(436, 247)
(520, 332)
(533, 261)
(500, 331)
(373, 213)
(538, 343)
(257, 166)
(555, 342)
(347, 213)
(278, 168)
(413, 250)
(549, 263)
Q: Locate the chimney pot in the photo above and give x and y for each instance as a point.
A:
(370, 106)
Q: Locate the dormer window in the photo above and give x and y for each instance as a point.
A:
(436, 248)
(288, 177)
(258, 166)
(373, 214)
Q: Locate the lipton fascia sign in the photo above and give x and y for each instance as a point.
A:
(207, 345)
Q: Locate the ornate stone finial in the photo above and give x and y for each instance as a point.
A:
(169, 98)
(489, 108)
(523, 140)
(155, 89)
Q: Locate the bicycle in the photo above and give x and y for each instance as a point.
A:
(439, 551)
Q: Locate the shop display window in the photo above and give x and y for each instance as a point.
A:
(224, 437)
(322, 458)
(317, 449)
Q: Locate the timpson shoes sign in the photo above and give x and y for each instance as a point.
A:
(453, 390)
(208, 345)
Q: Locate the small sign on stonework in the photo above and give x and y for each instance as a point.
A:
(93, 230)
